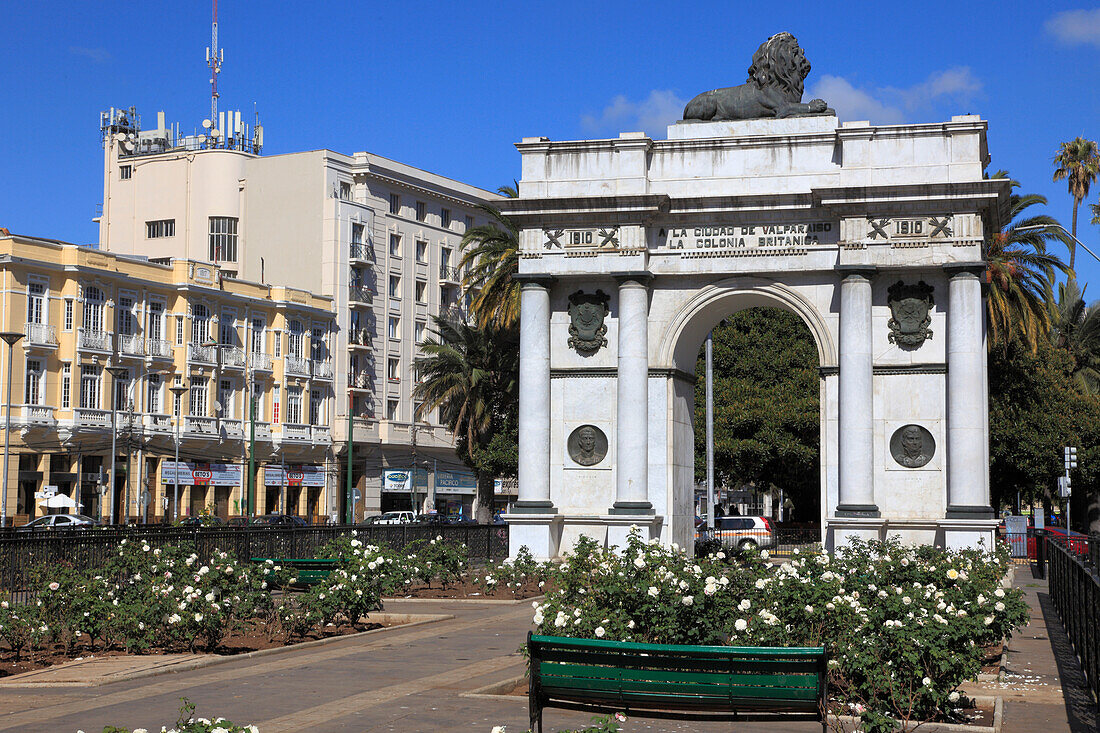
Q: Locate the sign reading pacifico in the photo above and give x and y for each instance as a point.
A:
(752, 236)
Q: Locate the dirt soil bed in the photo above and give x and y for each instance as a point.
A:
(467, 589)
(250, 639)
(991, 658)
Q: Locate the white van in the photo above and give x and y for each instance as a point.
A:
(396, 518)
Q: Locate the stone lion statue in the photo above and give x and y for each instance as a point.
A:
(774, 88)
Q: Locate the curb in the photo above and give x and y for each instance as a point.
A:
(472, 601)
(415, 619)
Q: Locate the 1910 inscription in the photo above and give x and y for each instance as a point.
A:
(729, 236)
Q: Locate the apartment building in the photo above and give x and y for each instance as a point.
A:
(379, 237)
(155, 352)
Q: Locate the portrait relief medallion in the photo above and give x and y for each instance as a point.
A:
(912, 446)
(587, 445)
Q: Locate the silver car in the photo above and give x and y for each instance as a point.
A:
(59, 521)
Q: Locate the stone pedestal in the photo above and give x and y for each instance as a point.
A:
(844, 529)
(539, 533)
(960, 534)
(619, 526)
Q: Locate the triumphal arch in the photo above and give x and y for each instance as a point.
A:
(632, 249)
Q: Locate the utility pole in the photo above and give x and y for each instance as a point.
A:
(710, 430)
(349, 510)
(1065, 489)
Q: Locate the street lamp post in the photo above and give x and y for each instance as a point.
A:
(1067, 232)
(11, 338)
(116, 372)
(177, 391)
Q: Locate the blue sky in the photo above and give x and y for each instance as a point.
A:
(451, 86)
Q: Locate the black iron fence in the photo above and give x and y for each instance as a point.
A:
(1075, 592)
(21, 553)
(779, 542)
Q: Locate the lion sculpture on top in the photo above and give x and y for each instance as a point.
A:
(774, 88)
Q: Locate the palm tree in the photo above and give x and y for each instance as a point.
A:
(471, 374)
(490, 256)
(1019, 271)
(1078, 161)
(1075, 327)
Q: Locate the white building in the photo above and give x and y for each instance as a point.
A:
(380, 237)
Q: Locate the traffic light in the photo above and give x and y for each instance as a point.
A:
(1070, 458)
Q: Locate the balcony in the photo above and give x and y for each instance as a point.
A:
(296, 366)
(322, 370)
(361, 254)
(295, 432)
(158, 348)
(40, 334)
(361, 338)
(263, 430)
(321, 433)
(92, 418)
(360, 295)
(131, 345)
(454, 313)
(449, 274)
(260, 361)
(38, 415)
(232, 429)
(197, 425)
(93, 340)
(361, 380)
(201, 354)
(158, 424)
(232, 357)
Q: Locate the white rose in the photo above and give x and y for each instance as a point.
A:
(198, 617)
(687, 600)
(652, 591)
(954, 696)
(600, 631)
(740, 624)
(1000, 592)
(927, 682)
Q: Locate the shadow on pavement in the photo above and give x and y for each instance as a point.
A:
(1081, 710)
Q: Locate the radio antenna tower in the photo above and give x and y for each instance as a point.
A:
(214, 59)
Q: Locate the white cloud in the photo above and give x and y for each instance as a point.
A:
(99, 55)
(891, 105)
(652, 115)
(1075, 27)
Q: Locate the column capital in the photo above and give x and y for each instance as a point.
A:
(640, 277)
(954, 269)
(538, 279)
(865, 271)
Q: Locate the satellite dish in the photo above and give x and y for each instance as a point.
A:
(120, 136)
(206, 124)
(131, 137)
(215, 133)
(202, 138)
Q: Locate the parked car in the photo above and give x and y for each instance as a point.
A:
(1077, 543)
(397, 518)
(279, 520)
(238, 522)
(372, 519)
(59, 521)
(211, 521)
(744, 533)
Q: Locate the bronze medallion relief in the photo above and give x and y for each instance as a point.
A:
(912, 446)
(587, 445)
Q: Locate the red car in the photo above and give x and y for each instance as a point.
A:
(1075, 541)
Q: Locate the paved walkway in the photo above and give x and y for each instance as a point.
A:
(417, 679)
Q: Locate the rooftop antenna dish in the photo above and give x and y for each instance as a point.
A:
(214, 58)
(206, 124)
(215, 133)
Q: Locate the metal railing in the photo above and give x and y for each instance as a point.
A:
(158, 348)
(40, 334)
(201, 353)
(260, 360)
(232, 356)
(297, 365)
(22, 552)
(322, 369)
(448, 273)
(96, 340)
(360, 294)
(360, 337)
(361, 251)
(131, 344)
(1075, 593)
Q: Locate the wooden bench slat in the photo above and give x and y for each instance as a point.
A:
(549, 642)
(632, 687)
(714, 664)
(664, 675)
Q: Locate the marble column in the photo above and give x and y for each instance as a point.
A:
(534, 396)
(967, 436)
(632, 413)
(857, 486)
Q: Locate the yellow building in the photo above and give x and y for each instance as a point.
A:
(142, 349)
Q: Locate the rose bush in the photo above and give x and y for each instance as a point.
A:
(903, 626)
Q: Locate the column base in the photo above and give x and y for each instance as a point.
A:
(869, 511)
(631, 508)
(534, 507)
(619, 526)
(969, 534)
(957, 511)
(539, 532)
(840, 530)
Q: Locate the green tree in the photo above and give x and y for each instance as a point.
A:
(767, 419)
(471, 374)
(1019, 271)
(1075, 327)
(490, 257)
(1078, 162)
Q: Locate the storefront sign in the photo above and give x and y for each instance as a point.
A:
(455, 482)
(305, 475)
(397, 481)
(200, 474)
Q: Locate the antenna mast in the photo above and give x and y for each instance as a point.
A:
(214, 59)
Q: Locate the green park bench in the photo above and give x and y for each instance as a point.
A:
(676, 681)
(310, 571)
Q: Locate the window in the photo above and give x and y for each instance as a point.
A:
(395, 286)
(223, 239)
(469, 222)
(200, 324)
(418, 331)
(152, 400)
(275, 402)
(357, 233)
(258, 398)
(225, 398)
(445, 257)
(124, 172)
(391, 409)
(121, 385)
(345, 191)
(179, 330)
(418, 408)
(177, 399)
(36, 303)
(124, 316)
(89, 386)
(93, 309)
(227, 330)
(155, 330)
(395, 203)
(278, 343)
(257, 335)
(160, 228)
(199, 399)
(315, 404)
(393, 370)
(318, 344)
(395, 245)
(395, 328)
(33, 394)
(68, 314)
(421, 251)
(445, 218)
(294, 405)
(421, 211)
(421, 291)
(66, 385)
(295, 340)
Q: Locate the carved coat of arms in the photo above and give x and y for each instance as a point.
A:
(587, 312)
(910, 313)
